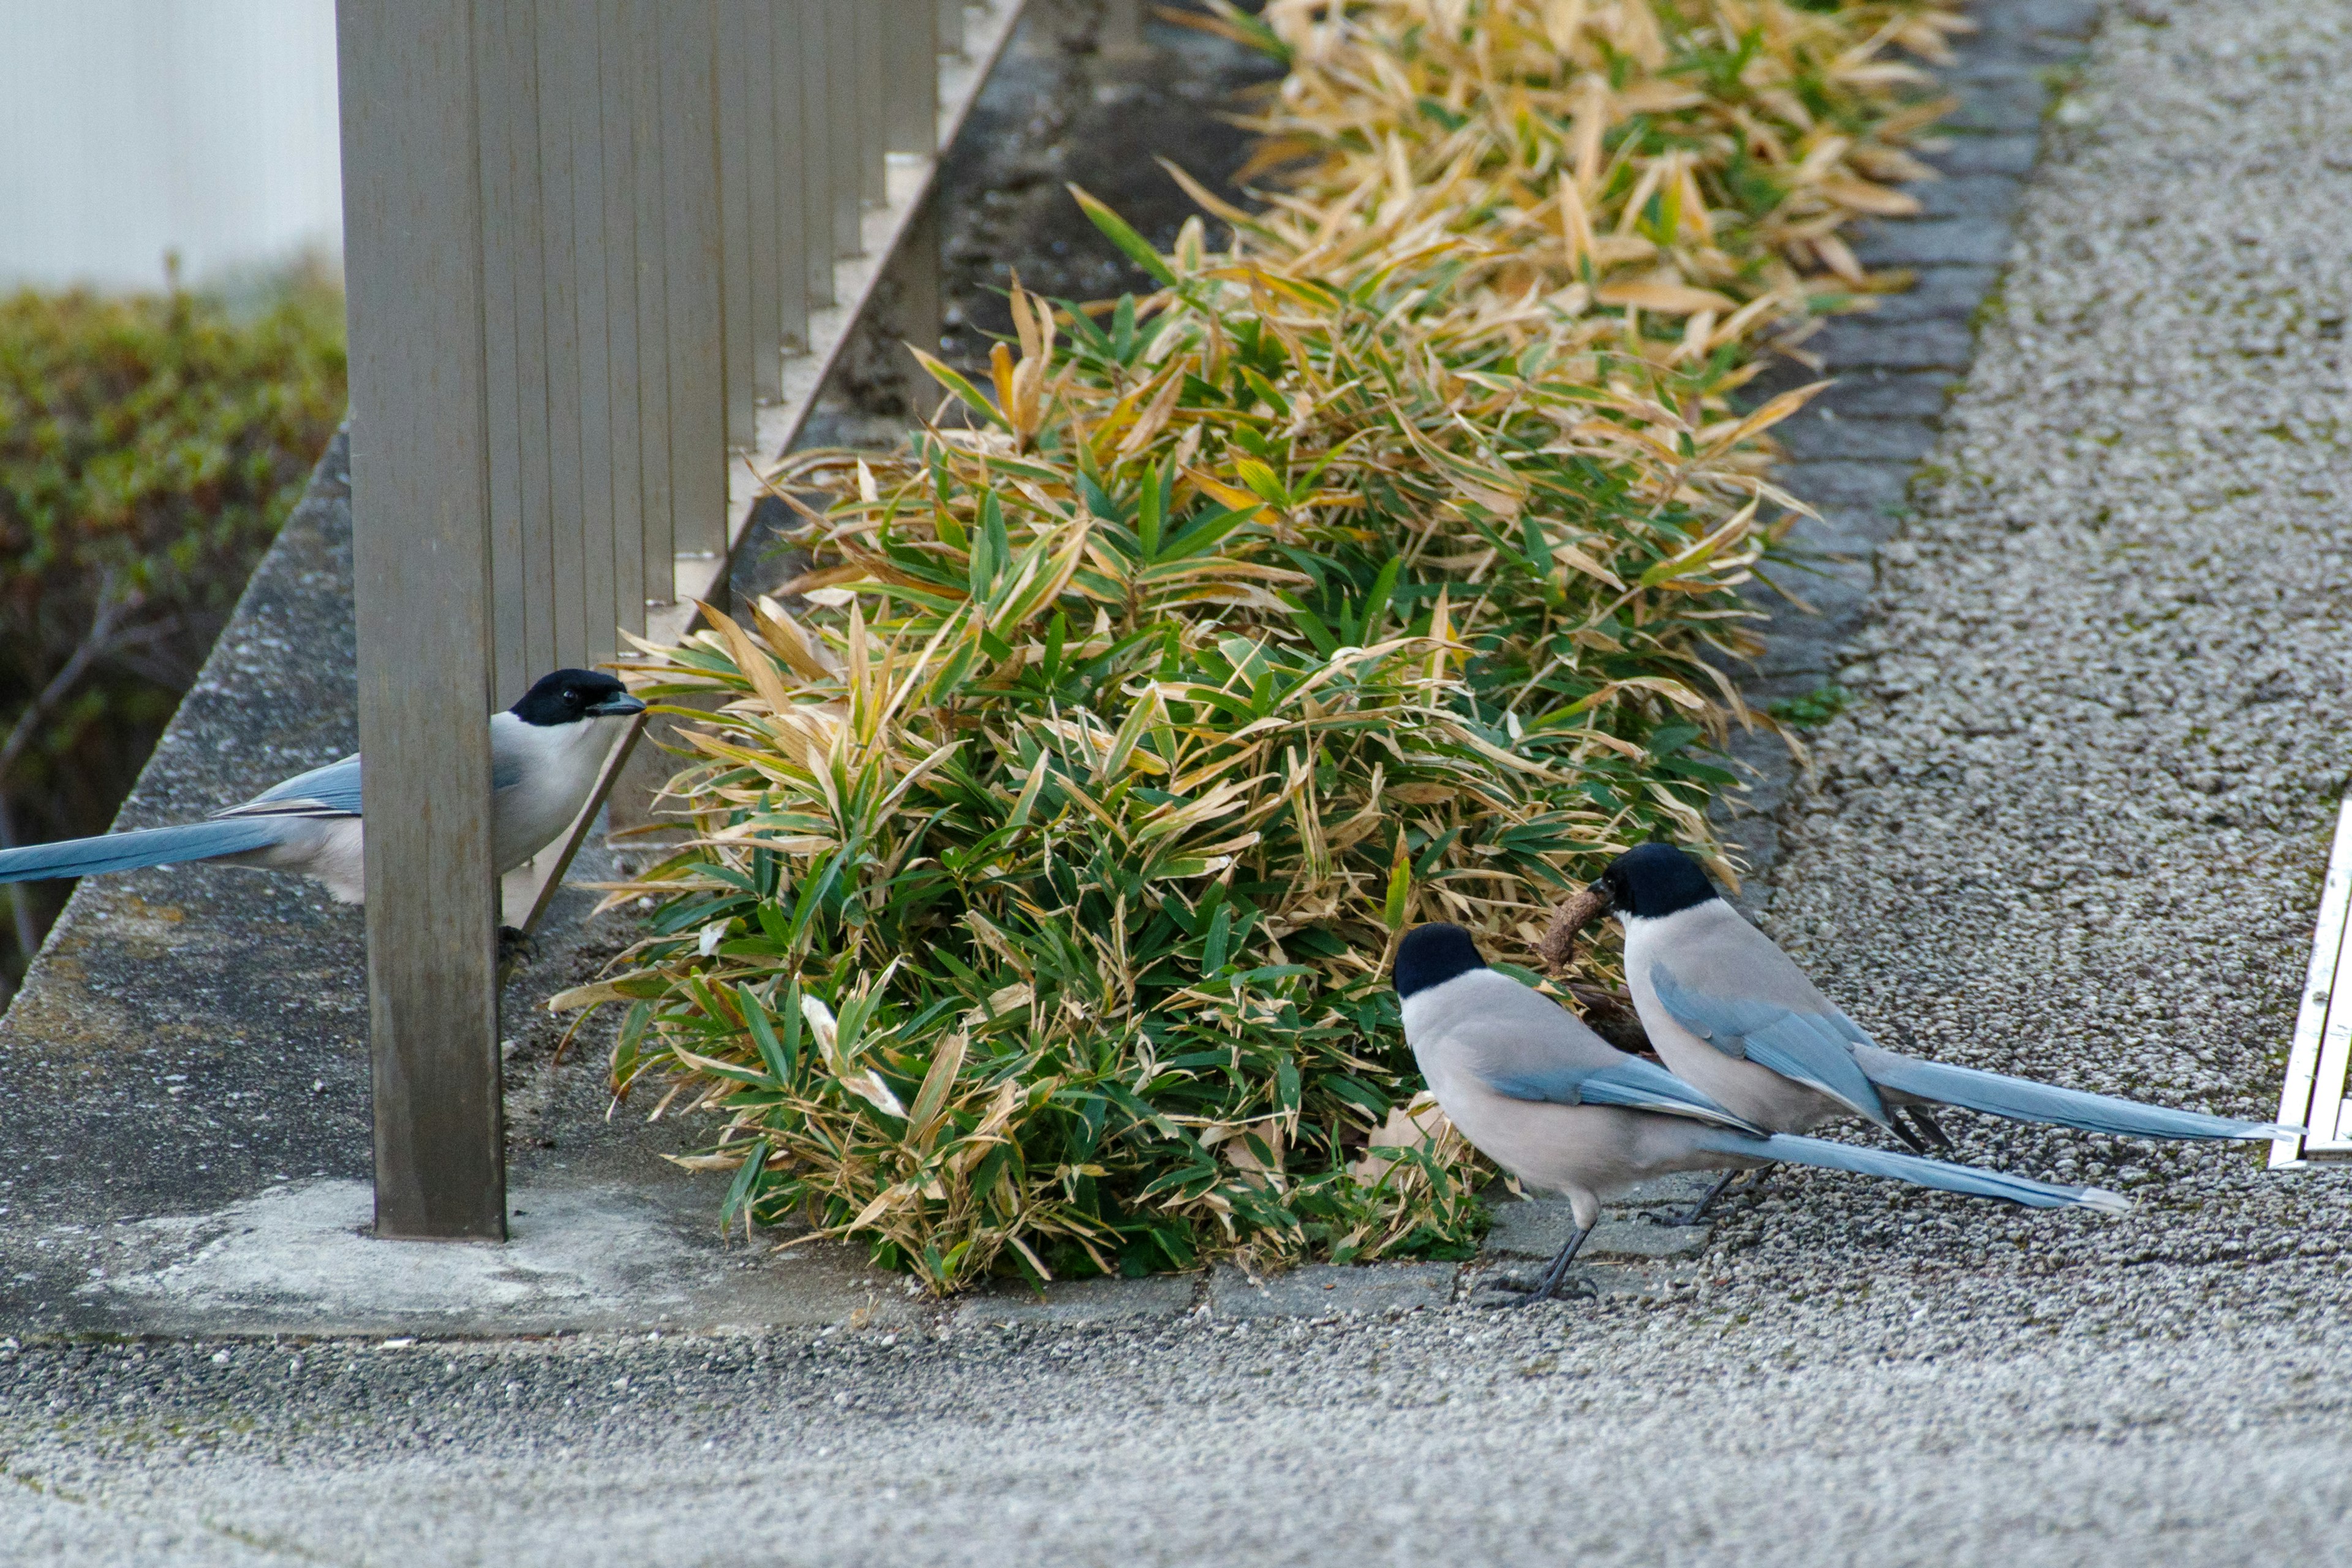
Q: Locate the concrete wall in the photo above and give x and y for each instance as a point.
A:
(130, 128)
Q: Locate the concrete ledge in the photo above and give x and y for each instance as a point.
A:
(299, 1259)
(186, 1106)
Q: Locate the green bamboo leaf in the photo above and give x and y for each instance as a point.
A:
(965, 393)
(1131, 243)
(744, 1190)
(1148, 513)
(1400, 890)
(779, 1061)
(1376, 603)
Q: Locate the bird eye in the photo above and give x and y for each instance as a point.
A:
(571, 695)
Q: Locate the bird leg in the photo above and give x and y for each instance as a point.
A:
(1911, 1140)
(1927, 1126)
(1552, 1276)
(516, 949)
(1697, 1211)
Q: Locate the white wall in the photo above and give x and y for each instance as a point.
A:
(129, 128)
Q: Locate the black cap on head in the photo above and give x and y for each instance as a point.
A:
(569, 696)
(1654, 879)
(1432, 955)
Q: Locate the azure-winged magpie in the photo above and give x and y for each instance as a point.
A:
(1728, 1011)
(545, 753)
(1558, 1107)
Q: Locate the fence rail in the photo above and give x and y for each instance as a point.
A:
(597, 252)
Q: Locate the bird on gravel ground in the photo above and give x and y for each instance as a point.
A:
(1551, 1102)
(1729, 1013)
(546, 753)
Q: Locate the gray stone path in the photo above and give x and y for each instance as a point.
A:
(2074, 825)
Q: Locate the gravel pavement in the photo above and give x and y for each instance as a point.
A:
(2073, 826)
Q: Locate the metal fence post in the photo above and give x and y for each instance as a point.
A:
(620, 305)
(762, 337)
(420, 500)
(814, 45)
(657, 549)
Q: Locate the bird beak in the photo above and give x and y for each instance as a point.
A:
(1600, 889)
(619, 707)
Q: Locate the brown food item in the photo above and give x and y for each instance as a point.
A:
(1558, 944)
(1610, 1012)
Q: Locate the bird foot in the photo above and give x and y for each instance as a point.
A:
(1531, 1290)
(1696, 1213)
(515, 949)
(1676, 1219)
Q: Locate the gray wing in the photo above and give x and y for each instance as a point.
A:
(334, 790)
(1731, 986)
(1633, 1084)
(1523, 1046)
(330, 791)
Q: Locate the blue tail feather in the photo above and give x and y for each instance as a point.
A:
(1941, 1174)
(129, 851)
(2024, 1100)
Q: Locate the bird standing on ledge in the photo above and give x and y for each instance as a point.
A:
(545, 754)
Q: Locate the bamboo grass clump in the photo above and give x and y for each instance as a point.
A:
(1044, 875)
(1692, 161)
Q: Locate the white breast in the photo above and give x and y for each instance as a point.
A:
(557, 764)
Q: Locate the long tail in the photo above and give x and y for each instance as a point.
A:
(1941, 1174)
(2024, 1100)
(129, 851)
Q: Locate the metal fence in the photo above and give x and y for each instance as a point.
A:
(596, 252)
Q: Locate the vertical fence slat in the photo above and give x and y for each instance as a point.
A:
(735, 266)
(420, 492)
(593, 536)
(558, 101)
(657, 564)
(785, 44)
(910, 36)
(873, 106)
(818, 91)
(766, 332)
(522, 248)
(951, 27)
(627, 567)
(842, 117)
(510, 163)
(698, 322)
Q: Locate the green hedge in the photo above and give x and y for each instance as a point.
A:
(150, 447)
